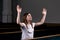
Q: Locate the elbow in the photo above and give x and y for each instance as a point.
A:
(42, 22)
(17, 22)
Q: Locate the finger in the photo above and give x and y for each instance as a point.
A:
(21, 8)
(18, 6)
(44, 9)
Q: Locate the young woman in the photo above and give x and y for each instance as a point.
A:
(27, 26)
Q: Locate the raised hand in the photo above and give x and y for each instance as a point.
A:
(19, 9)
(44, 12)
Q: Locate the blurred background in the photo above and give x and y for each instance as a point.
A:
(10, 30)
(8, 10)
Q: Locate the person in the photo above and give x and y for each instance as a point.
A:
(27, 26)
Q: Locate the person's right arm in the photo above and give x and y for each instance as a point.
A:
(18, 15)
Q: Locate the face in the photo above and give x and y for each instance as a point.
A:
(29, 17)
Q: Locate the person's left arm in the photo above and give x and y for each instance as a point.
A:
(44, 12)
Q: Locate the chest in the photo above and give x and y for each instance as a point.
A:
(28, 28)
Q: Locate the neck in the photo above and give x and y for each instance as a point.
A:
(29, 22)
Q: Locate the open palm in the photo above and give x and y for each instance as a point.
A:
(19, 9)
(44, 11)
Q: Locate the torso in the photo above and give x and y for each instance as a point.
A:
(27, 33)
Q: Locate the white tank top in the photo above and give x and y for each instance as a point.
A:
(27, 33)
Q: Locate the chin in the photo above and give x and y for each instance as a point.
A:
(31, 20)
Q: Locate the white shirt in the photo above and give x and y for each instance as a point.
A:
(27, 33)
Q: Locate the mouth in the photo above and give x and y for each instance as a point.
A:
(30, 18)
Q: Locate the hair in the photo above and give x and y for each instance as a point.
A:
(24, 19)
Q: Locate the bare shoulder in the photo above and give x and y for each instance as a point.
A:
(22, 24)
(33, 24)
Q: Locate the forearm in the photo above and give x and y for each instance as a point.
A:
(44, 12)
(43, 19)
(18, 18)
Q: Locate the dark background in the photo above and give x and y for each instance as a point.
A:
(50, 27)
(1, 6)
(35, 8)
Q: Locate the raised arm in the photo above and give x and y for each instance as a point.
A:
(18, 15)
(44, 12)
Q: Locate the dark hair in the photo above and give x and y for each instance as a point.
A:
(24, 19)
